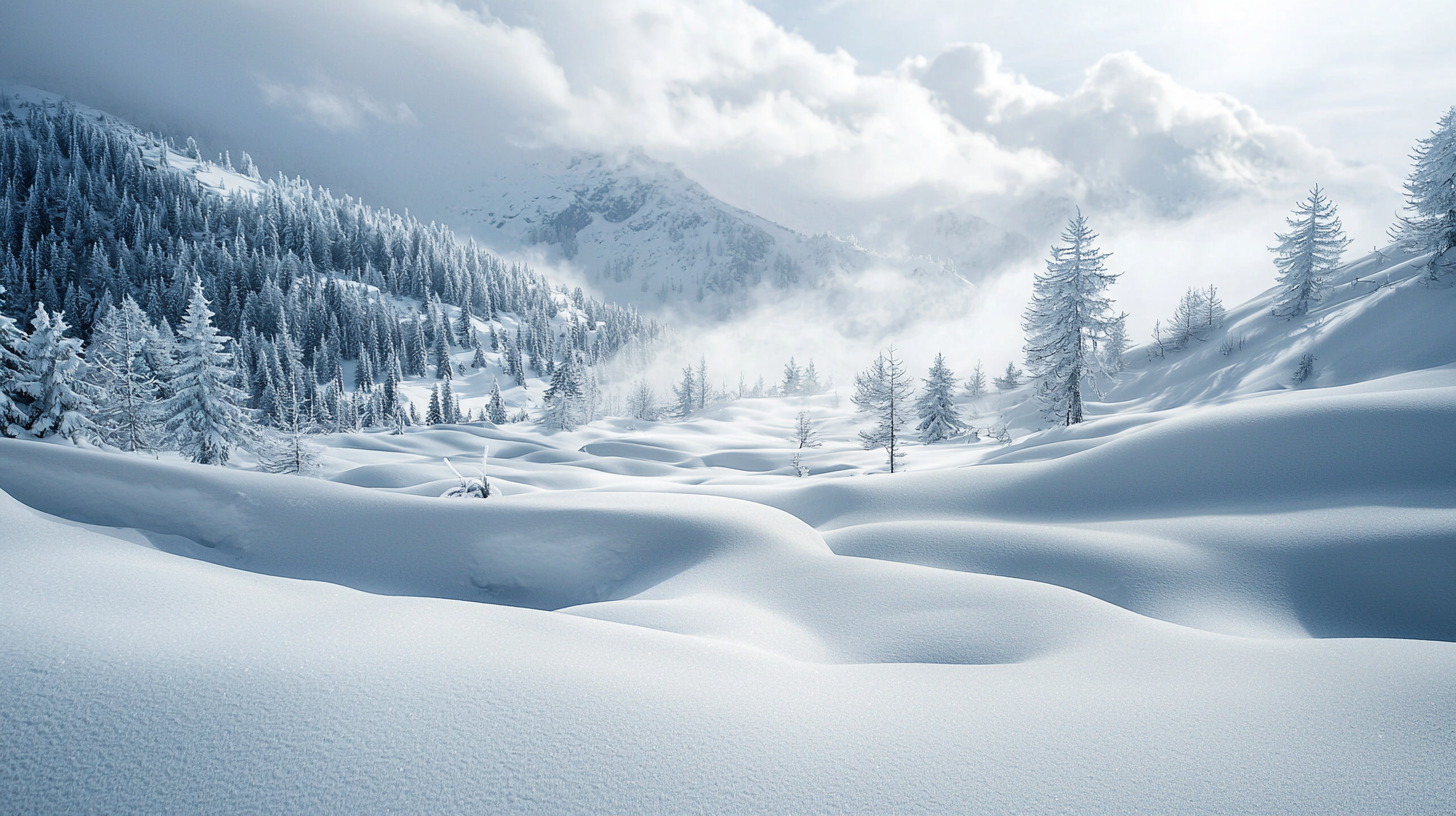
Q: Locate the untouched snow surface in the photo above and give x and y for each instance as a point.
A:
(1224, 594)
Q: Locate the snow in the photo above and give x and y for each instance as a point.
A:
(1221, 594)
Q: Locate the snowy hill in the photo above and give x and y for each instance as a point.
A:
(641, 232)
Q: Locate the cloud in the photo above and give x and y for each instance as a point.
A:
(1130, 134)
(332, 110)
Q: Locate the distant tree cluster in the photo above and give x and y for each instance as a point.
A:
(1199, 312)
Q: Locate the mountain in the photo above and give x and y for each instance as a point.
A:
(317, 290)
(642, 232)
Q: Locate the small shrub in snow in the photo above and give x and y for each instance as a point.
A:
(469, 487)
(800, 468)
(1306, 368)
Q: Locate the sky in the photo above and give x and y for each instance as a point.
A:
(1185, 130)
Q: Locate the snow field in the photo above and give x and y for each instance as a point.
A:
(1222, 595)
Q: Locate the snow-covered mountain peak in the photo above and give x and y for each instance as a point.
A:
(641, 231)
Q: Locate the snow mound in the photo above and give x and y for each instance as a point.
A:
(542, 551)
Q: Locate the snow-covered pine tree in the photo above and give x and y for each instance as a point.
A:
(883, 391)
(1069, 315)
(435, 414)
(1430, 190)
(449, 406)
(804, 434)
(1009, 380)
(1213, 311)
(809, 384)
(976, 385)
(205, 415)
(12, 401)
(687, 400)
(123, 343)
(51, 376)
(364, 371)
(591, 393)
(465, 325)
(477, 361)
(562, 399)
(703, 389)
(642, 401)
(936, 408)
(495, 409)
(1114, 346)
(1186, 325)
(792, 377)
(285, 448)
(444, 369)
(1307, 253)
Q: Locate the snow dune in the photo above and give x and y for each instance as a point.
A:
(139, 682)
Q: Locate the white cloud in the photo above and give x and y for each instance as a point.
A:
(333, 110)
(1131, 134)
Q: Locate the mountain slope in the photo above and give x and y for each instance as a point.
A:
(642, 232)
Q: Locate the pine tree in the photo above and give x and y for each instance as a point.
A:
(478, 361)
(1306, 367)
(686, 398)
(129, 402)
(435, 414)
(792, 377)
(1430, 192)
(563, 398)
(936, 408)
(1115, 344)
(1186, 324)
(804, 434)
(286, 448)
(976, 385)
(1066, 320)
(1213, 311)
(495, 409)
(883, 391)
(205, 415)
(364, 371)
(642, 401)
(444, 369)
(809, 381)
(12, 401)
(449, 406)
(703, 389)
(51, 377)
(1011, 379)
(1306, 254)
